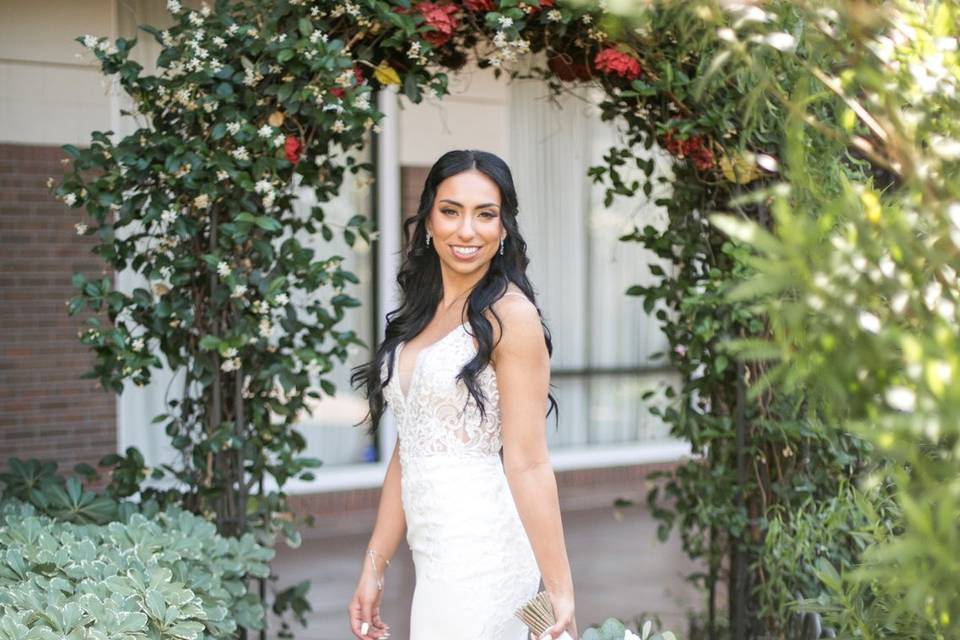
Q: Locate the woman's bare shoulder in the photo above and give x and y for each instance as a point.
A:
(519, 319)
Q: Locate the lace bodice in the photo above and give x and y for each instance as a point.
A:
(437, 414)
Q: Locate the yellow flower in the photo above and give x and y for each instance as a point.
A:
(741, 169)
(275, 119)
(871, 205)
(385, 74)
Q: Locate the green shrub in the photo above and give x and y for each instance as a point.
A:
(614, 629)
(169, 576)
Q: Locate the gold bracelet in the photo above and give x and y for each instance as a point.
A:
(373, 563)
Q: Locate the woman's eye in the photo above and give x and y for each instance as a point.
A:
(489, 214)
(447, 211)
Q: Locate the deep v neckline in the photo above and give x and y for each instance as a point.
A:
(416, 364)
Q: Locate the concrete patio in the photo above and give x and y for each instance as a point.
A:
(619, 567)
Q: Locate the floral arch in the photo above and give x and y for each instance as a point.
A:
(248, 95)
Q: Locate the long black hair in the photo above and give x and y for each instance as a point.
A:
(421, 284)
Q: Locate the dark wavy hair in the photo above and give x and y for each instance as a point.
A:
(421, 285)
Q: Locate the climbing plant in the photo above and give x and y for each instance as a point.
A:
(252, 101)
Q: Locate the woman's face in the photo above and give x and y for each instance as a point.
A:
(465, 222)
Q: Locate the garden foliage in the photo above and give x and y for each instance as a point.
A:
(168, 576)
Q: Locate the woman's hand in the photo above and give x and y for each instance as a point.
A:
(563, 610)
(365, 608)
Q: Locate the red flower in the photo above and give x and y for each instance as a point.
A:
(479, 5)
(544, 4)
(694, 147)
(358, 74)
(617, 62)
(441, 18)
(292, 149)
(337, 91)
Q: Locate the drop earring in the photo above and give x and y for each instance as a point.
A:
(428, 238)
(501, 244)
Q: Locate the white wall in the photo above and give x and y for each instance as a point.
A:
(49, 95)
(474, 116)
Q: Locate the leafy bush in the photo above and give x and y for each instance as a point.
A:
(168, 575)
(613, 629)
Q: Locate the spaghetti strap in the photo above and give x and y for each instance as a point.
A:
(516, 293)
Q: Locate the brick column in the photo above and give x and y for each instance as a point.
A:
(46, 410)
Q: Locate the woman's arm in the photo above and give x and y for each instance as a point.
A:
(523, 377)
(364, 608)
(391, 522)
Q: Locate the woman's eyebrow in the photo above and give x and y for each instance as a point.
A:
(479, 206)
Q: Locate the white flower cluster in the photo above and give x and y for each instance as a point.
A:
(265, 188)
(507, 50)
(415, 52)
(251, 77)
(234, 127)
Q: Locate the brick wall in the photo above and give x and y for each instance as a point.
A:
(46, 410)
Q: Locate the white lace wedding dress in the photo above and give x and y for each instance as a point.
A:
(473, 561)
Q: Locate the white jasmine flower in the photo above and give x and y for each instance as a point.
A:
(219, 42)
(586, 19)
(339, 127)
(346, 78)
(165, 272)
(233, 29)
(279, 140)
(318, 36)
(90, 41)
(137, 344)
(70, 199)
(202, 201)
(223, 176)
(230, 352)
(81, 228)
(168, 216)
(505, 22)
(223, 269)
(205, 9)
(361, 102)
(266, 328)
(195, 19)
(233, 127)
(282, 299)
(554, 15)
(173, 6)
(230, 364)
(239, 291)
(265, 131)
(240, 153)
(500, 39)
(263, 186)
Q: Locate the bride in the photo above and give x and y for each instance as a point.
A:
(465, 369)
